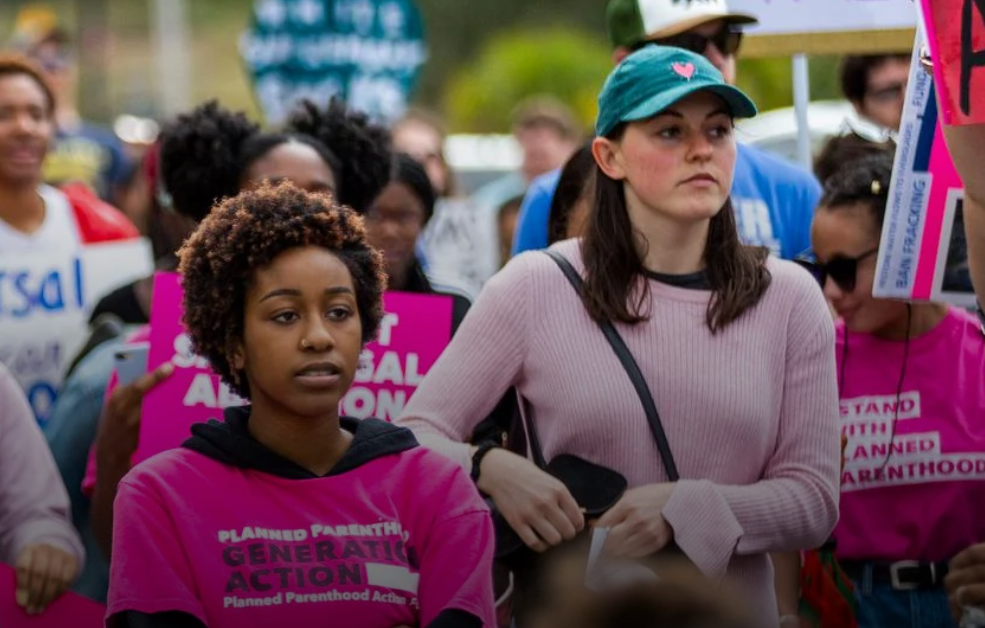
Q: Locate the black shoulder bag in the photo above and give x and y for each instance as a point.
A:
(632, 369)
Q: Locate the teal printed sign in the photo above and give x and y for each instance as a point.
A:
(368, 52)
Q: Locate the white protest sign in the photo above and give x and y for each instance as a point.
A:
(460, 245)
(923, 254)
(787, 17)
(45, 302)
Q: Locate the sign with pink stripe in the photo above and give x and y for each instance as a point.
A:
(923, 252)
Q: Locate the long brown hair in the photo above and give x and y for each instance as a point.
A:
(737, 273)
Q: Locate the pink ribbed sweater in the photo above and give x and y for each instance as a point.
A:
(751, 414)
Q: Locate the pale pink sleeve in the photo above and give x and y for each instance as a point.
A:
(476, 369)
(457, 560)
(149, 572)
(89, 481)
(795, 504)
(34, 505)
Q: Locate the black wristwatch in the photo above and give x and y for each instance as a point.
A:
(480, 453)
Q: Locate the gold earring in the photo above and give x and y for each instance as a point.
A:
(876, 188)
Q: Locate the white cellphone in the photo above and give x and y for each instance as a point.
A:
(131, 362)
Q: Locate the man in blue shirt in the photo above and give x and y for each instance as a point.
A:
(774, 201)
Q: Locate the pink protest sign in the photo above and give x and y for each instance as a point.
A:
(923, 253)
(68, 610)
(956, 36)
(193, 393)
(415, 330)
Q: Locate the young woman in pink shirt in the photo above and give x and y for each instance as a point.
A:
(912, 403)
(735, 347)
(285, 513)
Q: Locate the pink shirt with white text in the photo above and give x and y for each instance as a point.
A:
(393, 542)
(914, 477)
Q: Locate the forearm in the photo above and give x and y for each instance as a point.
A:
(110, 471)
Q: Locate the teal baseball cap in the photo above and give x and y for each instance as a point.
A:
(655, 77)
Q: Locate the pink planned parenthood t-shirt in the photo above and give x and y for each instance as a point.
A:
(395, 535)
(920, 497)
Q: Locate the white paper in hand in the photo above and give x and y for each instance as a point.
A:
(607, 574)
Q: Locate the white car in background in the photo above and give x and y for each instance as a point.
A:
(478, 159)
(776, 131)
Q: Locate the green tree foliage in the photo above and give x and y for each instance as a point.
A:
(564, 63)
(769, 82)
(458, 30)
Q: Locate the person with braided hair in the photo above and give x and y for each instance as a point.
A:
(286, 513)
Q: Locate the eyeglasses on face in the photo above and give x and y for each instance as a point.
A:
(727, 41)
(843, 271)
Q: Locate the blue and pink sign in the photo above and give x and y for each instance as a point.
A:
(923, 255)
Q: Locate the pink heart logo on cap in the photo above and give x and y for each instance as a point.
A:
(686, 70)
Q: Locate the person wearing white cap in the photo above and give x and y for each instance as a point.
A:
(707, 27)
(774, 200)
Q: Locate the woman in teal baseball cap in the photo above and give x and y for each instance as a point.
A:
(710, 387)
(665, 151)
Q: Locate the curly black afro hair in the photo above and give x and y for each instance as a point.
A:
(247, 232)
(200, 157)
(364, 149)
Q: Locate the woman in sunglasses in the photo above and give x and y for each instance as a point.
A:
(910, 382)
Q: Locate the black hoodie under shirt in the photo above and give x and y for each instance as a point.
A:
(231, 443)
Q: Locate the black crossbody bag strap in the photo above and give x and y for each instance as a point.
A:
(632, 369)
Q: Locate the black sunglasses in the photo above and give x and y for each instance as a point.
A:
(842, 270)
(726, 40)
